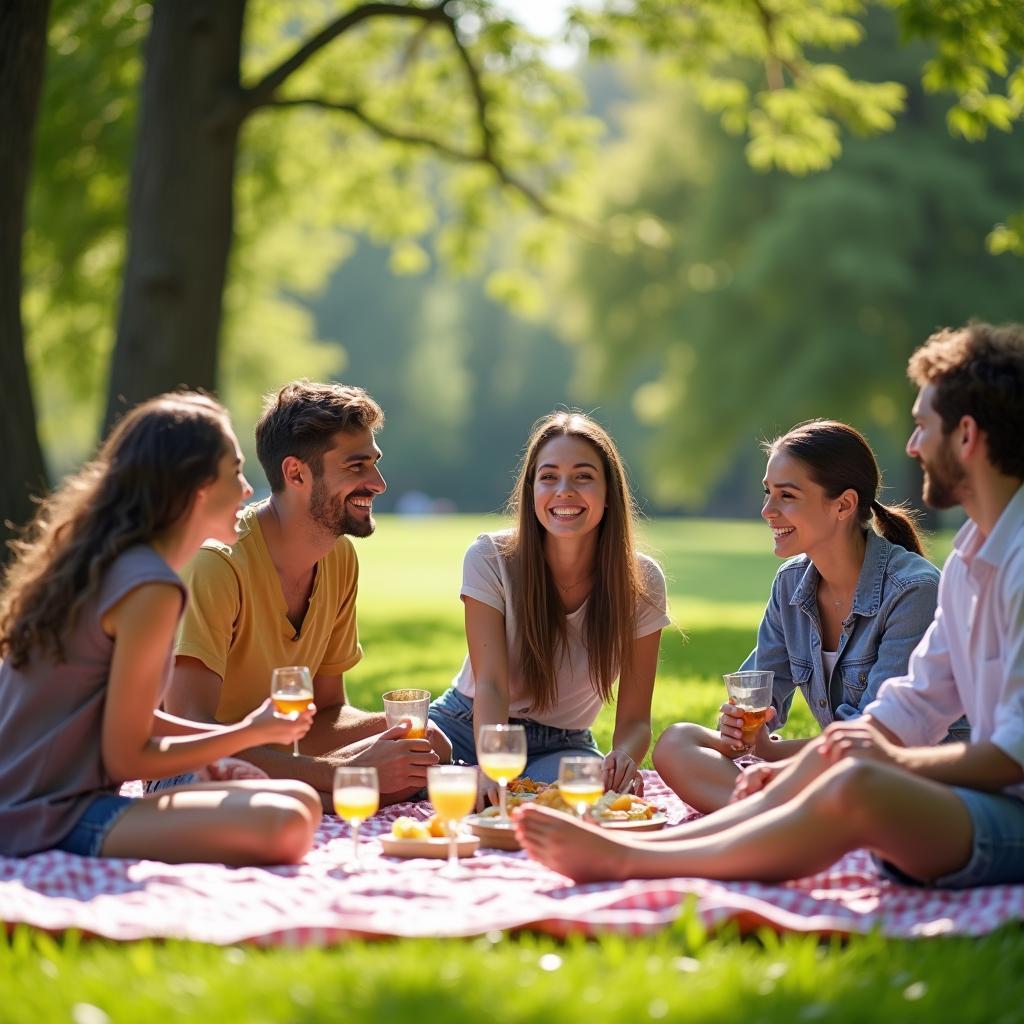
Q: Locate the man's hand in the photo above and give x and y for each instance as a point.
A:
(439, 743)
(401, 763)
(857, 738)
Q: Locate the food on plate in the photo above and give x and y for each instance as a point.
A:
(413, 828)
(611, 807)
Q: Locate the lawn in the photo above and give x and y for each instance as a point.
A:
(411, 626)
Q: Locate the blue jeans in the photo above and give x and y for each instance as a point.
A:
(91, 830)
(997, 849)
(452, 712)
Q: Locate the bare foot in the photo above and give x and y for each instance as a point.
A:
(579, 850)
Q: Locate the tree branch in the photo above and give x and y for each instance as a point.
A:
(263, 91)
(439, 146)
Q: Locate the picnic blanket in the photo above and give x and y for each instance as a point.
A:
(320, 902)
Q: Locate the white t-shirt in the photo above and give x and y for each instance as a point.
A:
(485, 577)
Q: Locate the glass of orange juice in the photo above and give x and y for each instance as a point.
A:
(751, 693)
(581, 782)
(356, 798)
(501, 754)
(291, 689)
(452, 790)
(411, 704)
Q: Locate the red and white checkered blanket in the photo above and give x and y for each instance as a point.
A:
(319, 902)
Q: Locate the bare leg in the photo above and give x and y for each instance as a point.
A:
(265, 821)
(696, 763)
(918, 825)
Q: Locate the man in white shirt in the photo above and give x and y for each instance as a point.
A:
(949, 815)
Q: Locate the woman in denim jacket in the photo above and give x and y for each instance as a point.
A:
(846, 609)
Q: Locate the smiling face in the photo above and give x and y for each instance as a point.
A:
(226, 496)
(569, 487)
(933, 449)
(801, 515)
(341, 498)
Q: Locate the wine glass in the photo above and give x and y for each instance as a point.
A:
(356, 798)
(501, 754)
(452, 790)
(581, 782)
(751, 693)
(291, 690)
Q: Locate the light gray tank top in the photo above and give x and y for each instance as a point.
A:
(51, 717)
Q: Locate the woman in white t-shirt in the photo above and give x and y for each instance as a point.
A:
(558, 608)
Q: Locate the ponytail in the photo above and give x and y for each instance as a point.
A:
(896, 524)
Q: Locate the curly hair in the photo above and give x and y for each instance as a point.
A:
(978, 371)
(142, 480)
(301, 420)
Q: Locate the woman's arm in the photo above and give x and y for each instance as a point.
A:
(632, 735)
(488, 655)
(142, 625)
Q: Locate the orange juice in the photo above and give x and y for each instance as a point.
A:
(356, 803)
(583, 792)
(752, 722)
(290, 704)
(502, 767)
(452, 799)
(416, 731)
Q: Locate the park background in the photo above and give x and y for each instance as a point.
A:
(703, 221)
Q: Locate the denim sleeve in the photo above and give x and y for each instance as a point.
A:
(771, 653)
(905, 624)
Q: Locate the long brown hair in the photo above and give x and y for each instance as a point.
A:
(142, 480)
(611, 613)
(838, 457)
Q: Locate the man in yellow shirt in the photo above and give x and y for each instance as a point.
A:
(285, 594)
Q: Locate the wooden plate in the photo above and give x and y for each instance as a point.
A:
(394, 847)
(494, 834)
(652, 824)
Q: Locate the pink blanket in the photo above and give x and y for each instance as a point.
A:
(319, 902)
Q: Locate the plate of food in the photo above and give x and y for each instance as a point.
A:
(413, 838)
(494, 833)
(613, 810)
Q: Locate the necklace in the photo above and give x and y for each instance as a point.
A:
(570, 586)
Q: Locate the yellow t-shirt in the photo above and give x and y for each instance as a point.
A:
(236, 620)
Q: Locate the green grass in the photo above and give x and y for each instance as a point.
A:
(411, 625)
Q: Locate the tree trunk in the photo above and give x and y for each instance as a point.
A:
(180, 217)
(22, 55)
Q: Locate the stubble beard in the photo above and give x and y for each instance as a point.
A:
(331, 514)
(942, 479)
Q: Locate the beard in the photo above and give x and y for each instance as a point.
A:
(942, 478)
(330, 512)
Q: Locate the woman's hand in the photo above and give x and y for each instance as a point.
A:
(754, 778)
(486, 793)
(730, 728)
(620, 773)
(263, 726)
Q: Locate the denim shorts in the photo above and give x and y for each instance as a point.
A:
(452, 712)
(92, 828)
(997, 849)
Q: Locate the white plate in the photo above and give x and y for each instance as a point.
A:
(395, 847)
(656, 821)
(494, 834)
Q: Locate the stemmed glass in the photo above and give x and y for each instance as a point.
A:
(356, 798)
(291, 690)
(751, 693)
(581, 782)
(501, 753)
(452, 790)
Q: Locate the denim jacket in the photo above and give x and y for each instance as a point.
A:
(893, 605)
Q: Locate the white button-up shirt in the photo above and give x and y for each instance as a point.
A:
(971, 659)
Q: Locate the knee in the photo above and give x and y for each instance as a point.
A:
(675, 743)
(851, 789)
(286, 830)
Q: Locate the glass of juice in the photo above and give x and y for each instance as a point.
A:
(356, 798)
(452, 791)
(501, 754)
(581, 782)
(291, 689)
(411, 704)
(751, 692)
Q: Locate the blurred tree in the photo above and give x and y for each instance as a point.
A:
(762, 300)
(22, 55)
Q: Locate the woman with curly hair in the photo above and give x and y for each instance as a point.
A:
(88, 614)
